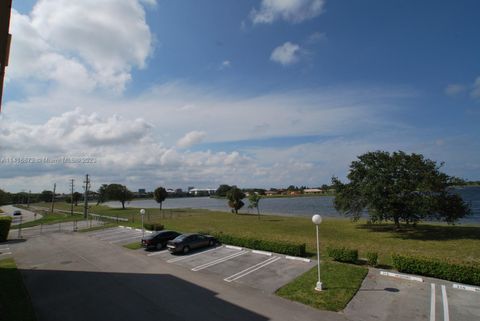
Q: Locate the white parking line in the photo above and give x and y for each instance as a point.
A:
(189, 256)
(6, 253)
(218, 261)
(446, 316)
(4, 248)
(157, 253)
(251, 269)
(432, 302)
(126, 239)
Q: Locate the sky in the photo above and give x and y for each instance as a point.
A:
(253, 93)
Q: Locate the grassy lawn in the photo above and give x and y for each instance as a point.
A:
(14, 299)
(133, 246)
(456, 243)
(340, 282)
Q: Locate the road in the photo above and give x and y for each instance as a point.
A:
(27, 216)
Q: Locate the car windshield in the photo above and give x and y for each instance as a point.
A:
(181, 237)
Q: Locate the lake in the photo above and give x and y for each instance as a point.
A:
(289, 206)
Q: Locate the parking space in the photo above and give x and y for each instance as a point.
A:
(118, 235)
(5, 251)
(383, 295)
(261, 270)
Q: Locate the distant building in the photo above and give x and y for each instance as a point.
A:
(142, 191)
(313, 191)
(202, 191)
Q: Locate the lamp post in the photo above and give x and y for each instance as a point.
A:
(142, 213)
(317, 219)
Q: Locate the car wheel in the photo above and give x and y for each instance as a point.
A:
(186, 249)
(159, 246)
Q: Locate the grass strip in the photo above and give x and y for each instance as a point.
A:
(133, 246)
(340, 283)
(15, 302)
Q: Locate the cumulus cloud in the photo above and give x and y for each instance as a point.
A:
(225, 65)
(289, 10)
(191, 138)
(286, 54)
(80, 44)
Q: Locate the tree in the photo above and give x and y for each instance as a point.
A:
(160, 194)
(4, 197)
(235, 196)
(102, 194)
(76, 197)
(119, 193)
(398, 187)
(222, 190)
(254, 200)
(46, 196)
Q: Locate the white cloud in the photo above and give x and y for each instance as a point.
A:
(475, 93)
(80, 44)
(289, 10)
(191, 138)
(455, 89)
(225, 65)
(286, 54)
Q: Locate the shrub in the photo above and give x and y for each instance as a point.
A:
(468, 274)
(372, 258)
(5, 222)
(256, 244)
(153, 226)
(343, 254)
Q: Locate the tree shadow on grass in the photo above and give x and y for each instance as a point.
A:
(425, 232)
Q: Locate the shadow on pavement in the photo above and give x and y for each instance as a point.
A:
(98, 296)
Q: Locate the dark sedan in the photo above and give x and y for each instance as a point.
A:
(158, 240)
(187, 242)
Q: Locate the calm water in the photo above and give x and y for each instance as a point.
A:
(295, 206)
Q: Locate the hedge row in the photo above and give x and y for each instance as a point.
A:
(153, 226)
(438, 269)
(5, 222)
(272, 246)
(343, 254)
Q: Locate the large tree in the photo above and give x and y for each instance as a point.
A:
(46, 196)
(76, 197)
(4, 197)
(119, 193)
(102, 194)
(235, 196)
(398, 187)
(222, 190)
(160, 194)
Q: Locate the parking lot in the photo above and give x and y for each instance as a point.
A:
(262, 270)
(5, 251)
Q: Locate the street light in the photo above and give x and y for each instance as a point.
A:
(317, 219)
(142, 213)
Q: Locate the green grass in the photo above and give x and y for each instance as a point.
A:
(460, 244)
(340, 283)
(133, 246)
(15, 302)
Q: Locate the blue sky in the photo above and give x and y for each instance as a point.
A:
(263, 93)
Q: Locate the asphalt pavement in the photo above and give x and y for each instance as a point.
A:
(27, 216)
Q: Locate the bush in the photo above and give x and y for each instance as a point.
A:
(343, 254)
(372, 258)
(153, 226)
(5, 222)
(468, 274)
(272, 246)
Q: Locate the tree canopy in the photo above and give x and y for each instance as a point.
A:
(222, 190)
(119, 193)
(46, 196)
(4, 197)
(235, 196)
(160, 194)
(102, 194)
(398, 187)
(254, 200)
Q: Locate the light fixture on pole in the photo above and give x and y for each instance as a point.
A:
(317, 219)
(142, 213)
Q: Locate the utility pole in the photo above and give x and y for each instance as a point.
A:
(85, 207)
(5, 40)
(53, 196)
(71, 198)
(28, 198)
